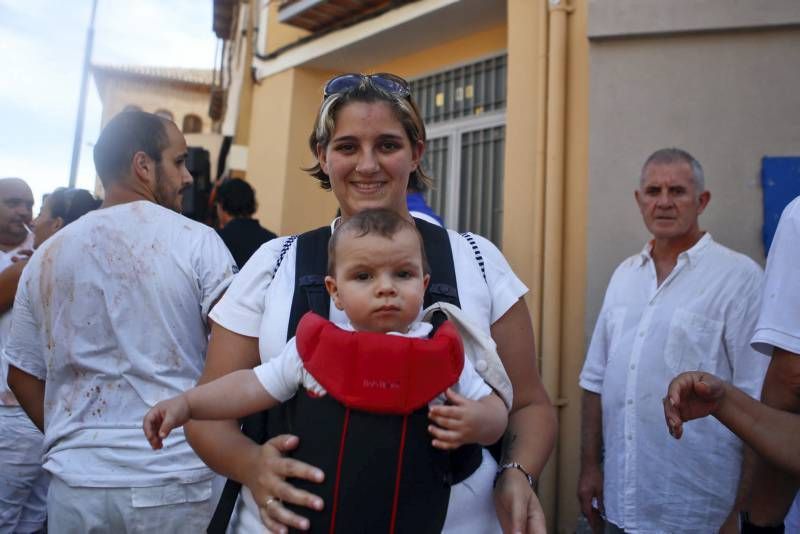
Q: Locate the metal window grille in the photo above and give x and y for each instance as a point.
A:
(435, 164)
(462, 92)
(481, 191)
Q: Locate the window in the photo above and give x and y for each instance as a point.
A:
(465, 91)
(466, 142)
(192, 124)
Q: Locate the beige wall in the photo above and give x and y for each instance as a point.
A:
(618, 18)
(180, 100)
(727, 98)
(118, 92)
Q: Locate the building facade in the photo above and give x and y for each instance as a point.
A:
(539, 115)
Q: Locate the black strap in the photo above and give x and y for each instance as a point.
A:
(310, 266)
(443, 286)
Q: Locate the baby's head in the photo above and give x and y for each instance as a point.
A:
(377, 271)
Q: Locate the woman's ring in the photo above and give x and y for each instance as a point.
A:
(271, 500)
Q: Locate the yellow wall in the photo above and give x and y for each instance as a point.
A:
(284, 107)
(278, 34)
(574, 266)
(242, 135)
(527, 178)
(442, 56)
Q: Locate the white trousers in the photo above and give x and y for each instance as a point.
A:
(23, 482)
(172, 508)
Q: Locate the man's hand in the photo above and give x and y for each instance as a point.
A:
(463, 421)
(590, 496)
(22, 255)
(163, 417)
(690, 396)
(518, 508)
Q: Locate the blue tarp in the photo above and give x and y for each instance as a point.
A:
(780, 178)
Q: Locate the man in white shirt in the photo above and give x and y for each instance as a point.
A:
(110, 318)
(772, 427)
(23, 484)
(683, 303)
(768, 489)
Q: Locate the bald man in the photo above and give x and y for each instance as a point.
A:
(23, 483)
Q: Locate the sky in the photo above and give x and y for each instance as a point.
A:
(41, 60)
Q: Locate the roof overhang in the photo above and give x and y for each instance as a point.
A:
(402, 31)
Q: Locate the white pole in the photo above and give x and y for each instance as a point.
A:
(87, 57)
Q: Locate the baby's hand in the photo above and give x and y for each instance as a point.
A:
(163, 417)
(456, 423)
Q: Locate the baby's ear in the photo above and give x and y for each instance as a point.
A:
(426, 280)
(333, 291)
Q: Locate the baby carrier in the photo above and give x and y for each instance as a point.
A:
(382, 474)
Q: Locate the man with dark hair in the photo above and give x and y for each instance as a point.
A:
(110, 318)
(236, 204)
(683, 303)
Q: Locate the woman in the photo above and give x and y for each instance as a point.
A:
(21, 463)
(368, 140)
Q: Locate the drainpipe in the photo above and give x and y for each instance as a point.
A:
(552, 261)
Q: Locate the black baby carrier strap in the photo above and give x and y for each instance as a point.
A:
(310, 268)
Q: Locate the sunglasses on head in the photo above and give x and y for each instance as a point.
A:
(394, 85)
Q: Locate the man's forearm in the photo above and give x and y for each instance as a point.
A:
(29, 391)
(773, 434)
(766, 491)
(591, 429)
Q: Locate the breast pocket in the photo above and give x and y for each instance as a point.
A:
(693, 342)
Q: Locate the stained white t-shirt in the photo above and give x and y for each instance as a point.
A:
(7, 397)
(111, 313)
(281, 376)
(258, 302)
(779, 321)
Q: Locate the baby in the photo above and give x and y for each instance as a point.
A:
(377, 274)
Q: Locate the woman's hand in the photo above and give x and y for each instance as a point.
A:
(270, 489)
(517, 505)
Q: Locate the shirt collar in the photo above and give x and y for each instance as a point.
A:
(692, 255)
